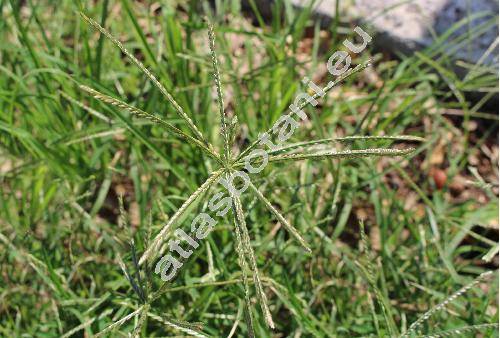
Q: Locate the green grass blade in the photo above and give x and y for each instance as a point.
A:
(295, 234)
(326, 89)
(120, 322)
(140, 113)
(240, 222)
(155, 245)
(445, 302)
(153, 79)
(471, 329)
(370, 275)
(242, 262)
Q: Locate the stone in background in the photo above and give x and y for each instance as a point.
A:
(407, 26)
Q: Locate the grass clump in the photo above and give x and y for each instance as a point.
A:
(229, 164)
(71, 262)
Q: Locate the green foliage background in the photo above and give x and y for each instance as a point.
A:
(65, 158)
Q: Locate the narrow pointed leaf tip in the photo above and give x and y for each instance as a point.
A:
(150, 76)
(280, 218)
(325, 89)
(152, 250)
(220, 100)
(247, 246)
(142, 114)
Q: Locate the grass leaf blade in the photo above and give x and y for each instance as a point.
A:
(280, 217)
(153, 79)
(154, 246)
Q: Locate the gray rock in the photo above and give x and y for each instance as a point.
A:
(407, 26)
(413, 25)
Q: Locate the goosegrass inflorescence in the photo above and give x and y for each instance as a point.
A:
(229, 163)
(70, 165)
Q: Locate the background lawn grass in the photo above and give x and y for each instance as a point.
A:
(431, 217)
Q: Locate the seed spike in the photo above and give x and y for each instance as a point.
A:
(220, 100)
(326, 89)
(153, 79)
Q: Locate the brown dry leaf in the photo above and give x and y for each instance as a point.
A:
(420, 211)
(437, 155)
(473, 157)
(134, 214)
(375, 238)
(370, 76)
(5, 166)
(411, 201)
(458, 184)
